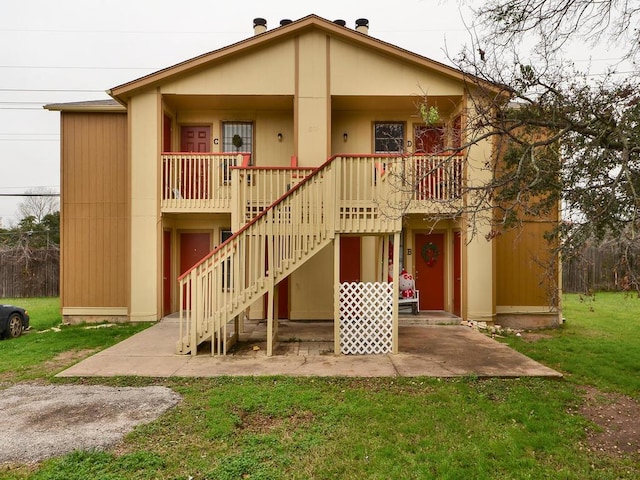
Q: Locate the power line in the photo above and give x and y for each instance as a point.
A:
(130, 32)
(21, 103)
(29, 139)
(21, 108)
(49, 90)
(73, 67)
(29, 194)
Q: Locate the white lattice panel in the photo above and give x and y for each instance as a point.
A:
(366, 318)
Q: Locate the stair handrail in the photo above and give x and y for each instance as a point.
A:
(192, 281)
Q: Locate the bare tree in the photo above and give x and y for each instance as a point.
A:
(555, 22)
(38, 203)
(562, 135)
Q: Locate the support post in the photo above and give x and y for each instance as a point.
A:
(270, 283)
(385, 258)
(396, 290)
(336, 294)
(195, 312)
(276, 312)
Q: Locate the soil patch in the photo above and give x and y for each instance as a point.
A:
(618, 420)
(42, 421)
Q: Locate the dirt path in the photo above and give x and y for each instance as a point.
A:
(41, 421)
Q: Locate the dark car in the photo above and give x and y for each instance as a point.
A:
(13, 321)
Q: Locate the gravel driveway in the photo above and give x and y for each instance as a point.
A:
(41, 421)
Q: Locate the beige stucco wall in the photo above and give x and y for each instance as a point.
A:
(359, 71)
(263, 71)
(312, 100)
(146, 228)
(478, 260)
(311, 288)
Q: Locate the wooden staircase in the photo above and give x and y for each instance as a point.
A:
(347, 194)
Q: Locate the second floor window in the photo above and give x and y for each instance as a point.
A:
(237, 137)
(389, 137)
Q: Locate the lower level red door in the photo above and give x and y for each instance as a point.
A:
(429, 275)
(349, 259)
(166, 273)
(193, 248)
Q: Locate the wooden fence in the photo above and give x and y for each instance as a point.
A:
(26, 272)
(600, 269)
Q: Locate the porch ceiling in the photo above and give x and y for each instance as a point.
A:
(228, 102)
(392, 103)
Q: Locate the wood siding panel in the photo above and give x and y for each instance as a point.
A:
(95, 218)
(522, 254)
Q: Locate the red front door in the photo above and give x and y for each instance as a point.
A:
(429, 273)
(166, 134)
(195, 139)
(193, 248)
(166, 273)
(194, 180)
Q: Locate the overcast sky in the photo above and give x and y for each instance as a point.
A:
(55, 51)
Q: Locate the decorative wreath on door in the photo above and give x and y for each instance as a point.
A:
(430, 254)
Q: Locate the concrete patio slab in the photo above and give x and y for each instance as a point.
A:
(307, 350)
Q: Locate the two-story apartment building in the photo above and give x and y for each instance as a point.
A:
(257, 179)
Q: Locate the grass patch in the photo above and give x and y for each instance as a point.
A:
(44, 312)
(352, 428)
(598, 345)
(388, 428)
(42, 352)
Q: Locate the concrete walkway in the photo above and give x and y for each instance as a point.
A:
(307, 350)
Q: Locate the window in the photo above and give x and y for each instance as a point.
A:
(237, 137)
(389, 137)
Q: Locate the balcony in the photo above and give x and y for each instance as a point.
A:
(197, 182)
(225, 183)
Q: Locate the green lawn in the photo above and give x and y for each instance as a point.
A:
(37, 353)
(334, 428)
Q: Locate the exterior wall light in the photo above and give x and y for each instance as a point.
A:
(345, 136)
(279, 137)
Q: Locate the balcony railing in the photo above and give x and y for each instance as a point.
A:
(214, 182)
(428, 183)
(197, 181)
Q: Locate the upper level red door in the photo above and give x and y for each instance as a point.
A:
(195, 138)
(429, 275)
(194, 179)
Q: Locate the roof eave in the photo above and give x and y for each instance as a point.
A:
(79, 107)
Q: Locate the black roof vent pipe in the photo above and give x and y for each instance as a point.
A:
(259, 26)
(362, 25)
